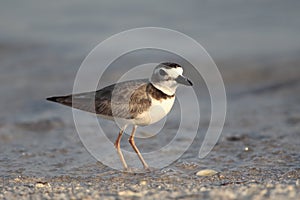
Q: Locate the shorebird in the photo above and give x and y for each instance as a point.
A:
(136, 102)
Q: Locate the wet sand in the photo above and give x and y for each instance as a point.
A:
(42, 156)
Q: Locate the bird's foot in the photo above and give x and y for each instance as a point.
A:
(149, 169)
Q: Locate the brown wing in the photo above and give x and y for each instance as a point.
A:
(123, 100)
(126, 100)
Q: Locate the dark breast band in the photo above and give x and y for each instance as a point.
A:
(156, 93)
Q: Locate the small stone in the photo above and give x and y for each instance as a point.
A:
(42, 185)
(18, 180)
(143, 182)
(39, 185)
(221, 176)
(206, 172)
(129, 193)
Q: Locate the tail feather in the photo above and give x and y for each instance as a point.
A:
(75, 101)
(65, 100)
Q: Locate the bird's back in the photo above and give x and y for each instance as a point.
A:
(123, 100)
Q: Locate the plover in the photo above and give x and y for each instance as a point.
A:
(136, 102)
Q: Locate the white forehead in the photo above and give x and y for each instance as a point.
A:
(174, 72)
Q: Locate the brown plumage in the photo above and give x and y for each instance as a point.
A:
(132, 99)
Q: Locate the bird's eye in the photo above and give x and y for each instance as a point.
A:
(162, 72)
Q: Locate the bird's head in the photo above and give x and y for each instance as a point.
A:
(167, 76)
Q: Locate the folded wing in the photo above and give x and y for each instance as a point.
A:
(123, 100)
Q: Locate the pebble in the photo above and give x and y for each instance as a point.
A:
(129, 193)
(143, 183)
(206, 172)
(17, 180)
(221, 176)
(42, 185)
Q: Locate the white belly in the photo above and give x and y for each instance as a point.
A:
(157, 111)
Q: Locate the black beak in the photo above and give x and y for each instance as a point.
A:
(183, 80)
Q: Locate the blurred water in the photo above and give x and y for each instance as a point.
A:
(225, 28)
